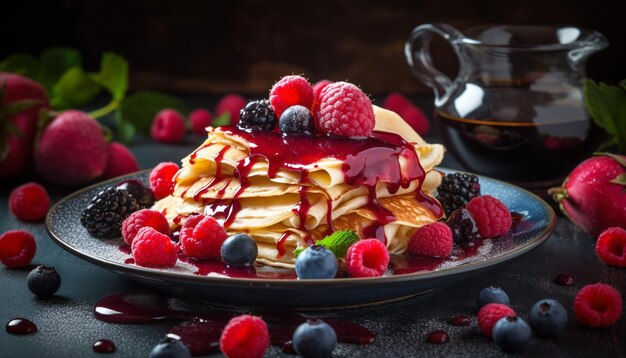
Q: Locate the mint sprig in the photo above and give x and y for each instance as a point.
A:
(338, 242)
(607, 106)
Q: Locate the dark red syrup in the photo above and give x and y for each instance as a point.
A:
(460, 320)
(103, 346)
(21, 326)
(437, 337)
(564, 280)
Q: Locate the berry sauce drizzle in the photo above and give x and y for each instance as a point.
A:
(103, 346)
(201, 330)
(21, 326)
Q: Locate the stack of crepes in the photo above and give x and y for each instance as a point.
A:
(269, 205)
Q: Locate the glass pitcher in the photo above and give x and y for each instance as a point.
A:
(515, 109)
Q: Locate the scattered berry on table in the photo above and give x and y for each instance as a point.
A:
(367, 258)
(43, 281)
(29, 202)
(344, 110)
(611, 247)
(511, 333)
(456, 190)
(202, 237)
(245, 336)
(106, 212)
(492, 294)
(143, 195)
(200, 119)
(548, 318)
(232, 104)
(492, 217)
(463, 227)
(120, 161)
(598, 305)
(168, 126)
(489, 314)
(239, 250)
(296, 120)
(150, 248)
(257, 115)
(162, 179)
(144, 218)
(314, 338)
(289, 91)
(170, 347)
(434, 240)
(17, 248)
(316, 262)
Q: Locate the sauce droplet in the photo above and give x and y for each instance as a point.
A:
(104, 346)
(564, 279)
(21, 326)
(437, 337)
(460, 320)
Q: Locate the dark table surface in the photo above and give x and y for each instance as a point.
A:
(67, 327)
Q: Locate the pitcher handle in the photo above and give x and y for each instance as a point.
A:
(417, 52)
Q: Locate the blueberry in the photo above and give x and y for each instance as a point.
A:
(143, 195)
(492, 294)
(239, 250)
(314, 338)
(296, 120)
(548, 318)
(511, 333)
(43, 281)
(170, 347)
(316, 262)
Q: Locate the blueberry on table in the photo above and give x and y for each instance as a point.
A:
(492, 294)
(170, 347)
(314, 338)
(547, 318)
(296, 120)
(511, 333)
(316, 262)
(43, 281)
(239, 250)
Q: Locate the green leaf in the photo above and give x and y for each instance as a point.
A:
(16, 107)
(54, 62)
(21, 63)
(114, 75)
(221, 120)
(125, 129)
(620, 179)
(338, 242)
(73, 89)
(140, 108)
(607, 106)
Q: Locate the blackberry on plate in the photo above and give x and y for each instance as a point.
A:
(456, 190)
(257, 115)
(296, 120)
(105, 213)
(144, 196)
(463, 226)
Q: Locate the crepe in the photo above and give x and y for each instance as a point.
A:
(294, 196)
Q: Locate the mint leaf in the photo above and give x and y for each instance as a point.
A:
(140, 108)
(20, 63)
(73, 89)
(125, 129)
(54, 62)
(222, 120)
(607, 105)
(338, 242)
(113, 75)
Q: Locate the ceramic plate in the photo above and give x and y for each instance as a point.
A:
(263, 286)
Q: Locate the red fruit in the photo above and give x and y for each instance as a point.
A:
(611, 247)
(245, 336)
(411, 114)
(29, 202)
(289, 91)
(397, 102)
(144, 218)
(593, 196)
(162, 179)
(120, 161)
(492, 217)
(168, 126)
(317, 91)
(150, 248)
(200, 119)
(490, 313)
(17, 248)
(232, 104)
(598, 305)
(432, 240)
(344, 110)
(72, 150)
(367, 258)
(202, 237)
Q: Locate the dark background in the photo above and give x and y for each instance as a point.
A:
(220, 46)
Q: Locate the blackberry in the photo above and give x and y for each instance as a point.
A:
(463, 226)
(257, 115)
(456, 190)
(107, 210)
(144, 196)
(296, 120)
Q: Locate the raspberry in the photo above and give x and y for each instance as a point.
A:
(17, 248)
(598, 305)
(120, 161)
(150, 248)
(245, 336)
(29, 202)
(492, 216)
(367, 258)
(162, 179)
(143, 218)
(490, 313)
(168, 126)
(396, 102)
(611, 247)
(289, 91)
(232, 104)
(344, 110)
(200, 119)
(202, 237)
(318, 87)
(411, 114)
(431, 240)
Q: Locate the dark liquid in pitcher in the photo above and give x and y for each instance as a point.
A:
(532, 145)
